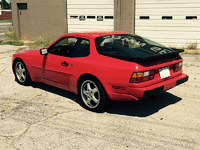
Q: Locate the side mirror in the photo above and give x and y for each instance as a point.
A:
(43, 51)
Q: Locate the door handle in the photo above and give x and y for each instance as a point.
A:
(64, 63)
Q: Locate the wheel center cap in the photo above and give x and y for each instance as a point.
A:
(89, 94)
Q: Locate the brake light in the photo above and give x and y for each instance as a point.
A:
(178, 67)
(138, 77)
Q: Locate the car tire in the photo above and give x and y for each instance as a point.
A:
(21, 73)
(92, 95)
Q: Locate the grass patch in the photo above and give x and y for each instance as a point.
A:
(20, 49)
(192, 46)
(5, 21)
(189, 51)
(39, 42)
(12, 38)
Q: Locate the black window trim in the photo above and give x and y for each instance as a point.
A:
(22, 6)
(79, 40)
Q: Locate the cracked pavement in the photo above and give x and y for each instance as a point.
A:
(41, 117)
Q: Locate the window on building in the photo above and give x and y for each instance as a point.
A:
(167, 17)
(22, 6)
(90, 17)
(144, 17)
(191, 17)
(109, 17)
(73, 17)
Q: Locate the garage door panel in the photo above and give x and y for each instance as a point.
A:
(178, 40)
(169, 29)
(166, 23)
(169, 6)
(106, 22)
(89, 29)
(90, 15)
(90, 6)
(178, 43)
(170, 11)
(169, 22)
(166, 1)
(167, 34)
(90, 2)
(91, 11)
(167, 13)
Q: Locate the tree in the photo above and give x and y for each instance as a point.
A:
(5, 4)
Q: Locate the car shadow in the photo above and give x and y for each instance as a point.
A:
(54, 90)
(142, 108)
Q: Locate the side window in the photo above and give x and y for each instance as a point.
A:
(64, 47)
(83, 49)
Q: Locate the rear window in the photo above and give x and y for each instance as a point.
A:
(130, 46)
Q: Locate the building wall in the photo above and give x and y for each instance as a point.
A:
(5, 15)
(173, 23)
(42, 18)
(125, 15)
(49, 17)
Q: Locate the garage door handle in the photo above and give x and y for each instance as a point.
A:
(64, 63)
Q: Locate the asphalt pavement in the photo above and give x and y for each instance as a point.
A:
(41, 117)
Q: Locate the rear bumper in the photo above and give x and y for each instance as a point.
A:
(138, 93)
(162, 88)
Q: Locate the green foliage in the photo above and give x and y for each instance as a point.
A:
(40, 42)
(5, 5)
(192, 46)
(20, 49)
(12, 38)
(5, 21)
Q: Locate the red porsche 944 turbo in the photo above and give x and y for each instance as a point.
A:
(102, 65)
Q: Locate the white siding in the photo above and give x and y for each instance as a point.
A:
(77, 8)
(177, 31)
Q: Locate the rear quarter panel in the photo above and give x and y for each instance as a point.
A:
(109, 71)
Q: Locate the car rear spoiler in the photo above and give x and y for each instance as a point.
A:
(142, 59)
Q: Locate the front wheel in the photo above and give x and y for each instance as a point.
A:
(21, 73)
(92, 94)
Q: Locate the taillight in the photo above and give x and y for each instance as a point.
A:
(178, 67)
(138, 77)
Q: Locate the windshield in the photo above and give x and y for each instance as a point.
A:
(128, 45)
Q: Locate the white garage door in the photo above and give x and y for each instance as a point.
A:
(90, 15)
(170, 22)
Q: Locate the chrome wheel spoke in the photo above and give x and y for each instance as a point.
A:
(23, 76)
(94, 91)
(90, 94)
(89, 100)
(20, 72)
(23, 70)
(85, 93)
(88, 87)
(94, 99)
(20, 66)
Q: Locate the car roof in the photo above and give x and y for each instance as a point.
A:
(94, 34)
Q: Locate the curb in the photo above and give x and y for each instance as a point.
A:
(5, 24)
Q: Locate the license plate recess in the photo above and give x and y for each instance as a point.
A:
(164, 72)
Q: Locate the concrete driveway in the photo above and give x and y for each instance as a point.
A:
(3, 27)
(41, 117)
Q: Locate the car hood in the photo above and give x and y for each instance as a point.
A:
(30, 51)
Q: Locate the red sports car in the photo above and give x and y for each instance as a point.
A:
(102, 65)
